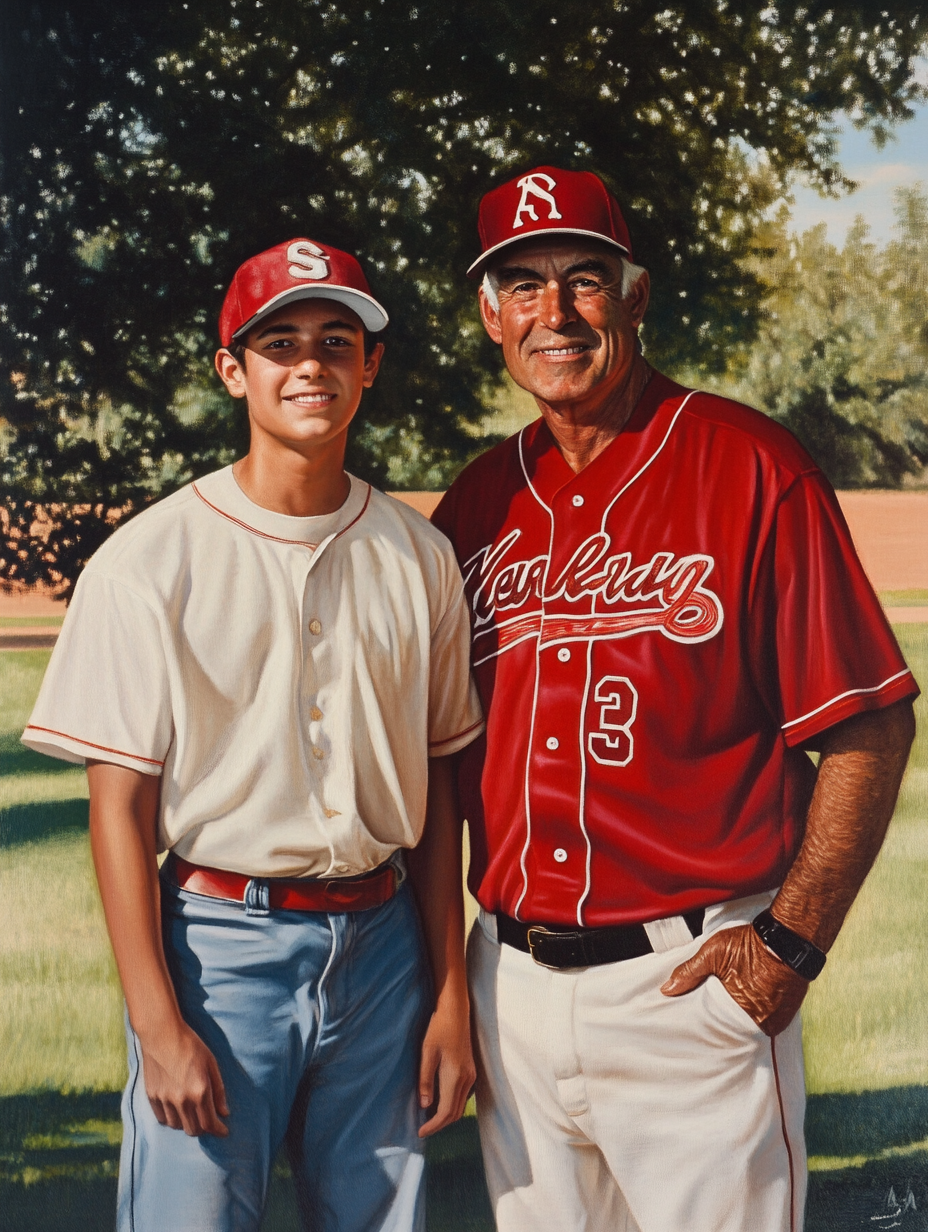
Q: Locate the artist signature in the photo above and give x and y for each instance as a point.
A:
(895, 1210)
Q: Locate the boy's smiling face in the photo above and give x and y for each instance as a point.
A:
(303, 374)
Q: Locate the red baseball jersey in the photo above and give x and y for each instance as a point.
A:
(654, 642)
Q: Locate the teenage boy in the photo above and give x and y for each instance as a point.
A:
(266, 674)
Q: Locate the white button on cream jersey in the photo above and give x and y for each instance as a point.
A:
(576, 501)
(552, 742)
(564, 654)
(560, 855)
(184, 654)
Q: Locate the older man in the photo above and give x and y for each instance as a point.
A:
(668, 614)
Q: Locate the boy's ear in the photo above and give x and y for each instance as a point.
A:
(371, 365)
(231, 372)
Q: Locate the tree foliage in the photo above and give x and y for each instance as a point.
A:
(148, 149)
(841, 357)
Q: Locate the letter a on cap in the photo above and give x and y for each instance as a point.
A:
(516, 210)
(530, 187)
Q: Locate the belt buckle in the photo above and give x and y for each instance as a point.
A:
(542, 932)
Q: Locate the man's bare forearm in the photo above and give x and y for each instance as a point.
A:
(860, 770)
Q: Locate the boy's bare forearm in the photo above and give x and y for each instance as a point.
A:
(182, 1079)
(446, 1072)
(123, 822)
(436, 875)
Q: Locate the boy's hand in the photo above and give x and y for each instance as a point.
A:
(183, 1083)
(447, 1057)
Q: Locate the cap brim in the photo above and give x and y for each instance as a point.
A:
(480, 264)
(373, 316)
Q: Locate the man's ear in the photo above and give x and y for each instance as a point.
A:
(231, 372)
(490, 317)
(637, 298)
(372, 365)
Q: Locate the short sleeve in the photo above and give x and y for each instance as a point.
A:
(836, 655)
(455, 716)
(105, 695)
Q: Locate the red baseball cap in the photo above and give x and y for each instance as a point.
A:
(296, 269)
(549, 201)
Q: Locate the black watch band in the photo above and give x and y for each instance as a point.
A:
(802, 956)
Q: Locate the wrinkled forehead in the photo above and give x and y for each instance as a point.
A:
(554, 255)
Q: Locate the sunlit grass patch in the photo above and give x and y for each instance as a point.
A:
(904, 598)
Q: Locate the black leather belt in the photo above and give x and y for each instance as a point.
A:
(561, 947)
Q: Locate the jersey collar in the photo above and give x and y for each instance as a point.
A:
(548, 472)
(221, 493)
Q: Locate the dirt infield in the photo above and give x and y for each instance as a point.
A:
(890, 530)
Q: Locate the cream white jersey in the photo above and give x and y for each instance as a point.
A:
(287, 677)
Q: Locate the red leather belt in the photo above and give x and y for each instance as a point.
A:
(289, 894)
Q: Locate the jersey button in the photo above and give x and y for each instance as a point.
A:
(576, 501)
(318, 753)
(560, 855)
(552, 742)
(564, 654)
(315, 626)
(315, 714)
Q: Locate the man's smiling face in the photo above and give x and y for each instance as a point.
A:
(568, 336)
(303, 374)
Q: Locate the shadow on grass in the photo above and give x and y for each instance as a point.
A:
(866, 1123)
(59, 1153)
(15, 758)
(47, 819)
(59, 1156)
(882, 1192)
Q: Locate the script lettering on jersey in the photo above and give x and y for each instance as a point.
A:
(665, 594)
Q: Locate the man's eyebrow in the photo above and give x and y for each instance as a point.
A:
(590, 265)
(513, 273)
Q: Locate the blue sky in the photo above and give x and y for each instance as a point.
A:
(901, 161)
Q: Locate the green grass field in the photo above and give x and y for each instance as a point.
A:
(61, 1050)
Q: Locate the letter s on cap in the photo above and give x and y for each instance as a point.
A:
(307, 261)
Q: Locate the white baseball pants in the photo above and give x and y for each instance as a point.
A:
(605, 1106)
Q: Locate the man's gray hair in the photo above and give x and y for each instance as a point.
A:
(630, 275)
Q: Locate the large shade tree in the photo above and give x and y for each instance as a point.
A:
(841, 355)
(147, 149)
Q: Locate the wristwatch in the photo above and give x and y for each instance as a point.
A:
(802, 956)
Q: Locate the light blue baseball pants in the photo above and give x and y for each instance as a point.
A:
(315, 1021)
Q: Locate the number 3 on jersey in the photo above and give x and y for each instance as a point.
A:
(613, 743)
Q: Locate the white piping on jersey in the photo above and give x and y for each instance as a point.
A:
(850, 693)
(529, 482)
(639, 473)
(531, 730)
(582, 810)
(531, 734)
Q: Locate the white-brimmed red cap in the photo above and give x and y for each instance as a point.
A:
(549, 201)
(297, 269)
